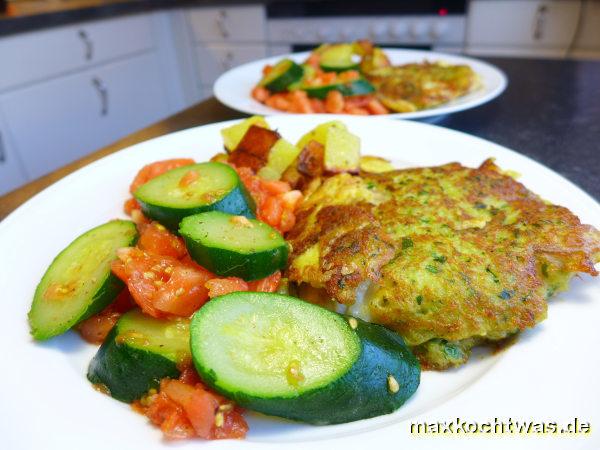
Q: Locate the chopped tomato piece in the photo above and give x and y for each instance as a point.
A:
(95, 329)
(271, 211)
(275, 187)
(291, 199)
(162, 285)
(287, 221)
(156, 239)
(169, 416)
(222, 286)
(190, 177)
(155, 169)
(199, 405)
(268, 284)
(130, 205)
(260, 94)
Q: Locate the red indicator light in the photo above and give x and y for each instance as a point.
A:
(443, 12)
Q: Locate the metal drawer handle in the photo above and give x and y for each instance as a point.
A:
(222, 24)
(88, 44)
(227, 62)
(103, 93)
(2, 152)
(538, 24)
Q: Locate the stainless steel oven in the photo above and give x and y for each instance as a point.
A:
(429, 24)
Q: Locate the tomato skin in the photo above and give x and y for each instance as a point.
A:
(155, 238)
(155, 169)
(168, 415)
(268, 284)
(162, 285)
(95, 329)
(222, 286)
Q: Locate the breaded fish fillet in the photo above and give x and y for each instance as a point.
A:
(448, 256)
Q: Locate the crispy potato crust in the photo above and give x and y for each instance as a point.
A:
(453, 256)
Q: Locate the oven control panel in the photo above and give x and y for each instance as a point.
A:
(431, 30)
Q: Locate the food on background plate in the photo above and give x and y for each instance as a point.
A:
(194, 300)
(358, 78)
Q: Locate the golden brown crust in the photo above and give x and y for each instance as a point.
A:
(454, 253)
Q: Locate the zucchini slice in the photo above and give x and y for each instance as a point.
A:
(285, 357)
(356, 87)
(79, 283)
(284, 73)
(338, 58)
(230, 245)
(214, 186)
(138, 352)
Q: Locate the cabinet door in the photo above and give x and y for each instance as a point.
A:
(522, 23)
(59, 121)
(11, 171)
(39, 55)
(215, 59)
(230, 24)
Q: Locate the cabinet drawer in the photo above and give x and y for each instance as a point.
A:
(215, 59)
(59, 121)
(233, 24)
(39, 55)
(538, 24)
(11, 172)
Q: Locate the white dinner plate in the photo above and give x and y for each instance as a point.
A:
(234, 86)
(550, 374)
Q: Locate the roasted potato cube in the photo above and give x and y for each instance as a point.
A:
(253, 149)
(375, 164)
(281, 156)
(233, 135)
(312, 158)
(342, 151)
(319, 133)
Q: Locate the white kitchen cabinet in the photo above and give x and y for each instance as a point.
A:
(214, 59)
(12, 174)
(59, 121)
(522, 27)
(39, 55)
(228, 24)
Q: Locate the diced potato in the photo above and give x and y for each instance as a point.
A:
(281, 156)
(342, 151)
(253, 150)
(375, 164)
(319, 133)
(233, 135)
(311, 161)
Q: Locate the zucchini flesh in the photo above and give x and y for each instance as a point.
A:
(168, 198)
(138, 352)
(338, 58)
(230, 245)
(355, 87)
(281, 356)
(79, 282)
(283, 74)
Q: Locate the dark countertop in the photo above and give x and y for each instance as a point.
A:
(549, 112)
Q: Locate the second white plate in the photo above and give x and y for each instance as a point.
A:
(234, 86)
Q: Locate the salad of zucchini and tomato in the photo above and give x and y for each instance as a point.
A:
(187, 301)
(331, 80)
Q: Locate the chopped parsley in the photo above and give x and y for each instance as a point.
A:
(431, 268)
(407, 243)
(419, 299)
(494, 276)
(439, 258)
